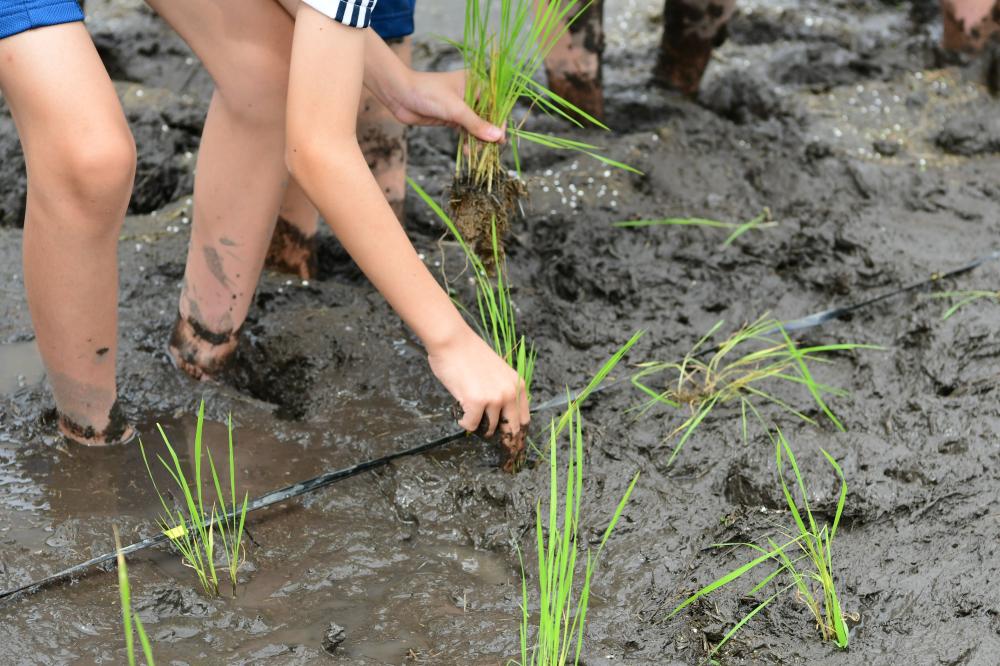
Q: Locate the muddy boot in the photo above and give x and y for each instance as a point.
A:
(116, 431)
(202, 354)
(969, 24)
(383, 139)
(691, 29)
(574, 66)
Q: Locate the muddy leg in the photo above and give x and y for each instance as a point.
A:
(293, 246)
(246, 46)
(968, 24)
(691, 29)
(574, 66)
(81, 162)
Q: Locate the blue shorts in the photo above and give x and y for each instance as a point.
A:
(19, 15)
(392, 19)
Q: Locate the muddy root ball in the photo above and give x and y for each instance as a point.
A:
(473, 210)
(512, 448)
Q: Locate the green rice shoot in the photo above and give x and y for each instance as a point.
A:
(196, 530)
(802, 562)
(497, 319)
(762, 221)
(502, 63)
(963, 298)
(130, 620)
(741, 370)
(562, 613)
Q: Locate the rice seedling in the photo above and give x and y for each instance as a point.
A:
(762, 221)
(562, 612)
(963, 298)
(738, 370)
(130, 620)
(803, 561)
(193, 529)
(502, 63)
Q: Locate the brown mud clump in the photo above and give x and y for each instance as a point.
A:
(473, 210)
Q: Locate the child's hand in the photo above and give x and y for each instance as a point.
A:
(482, 384)
(433, 98)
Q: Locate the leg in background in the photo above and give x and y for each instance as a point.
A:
(691, 29)
(574, 66)
(81, 161)
(968, 24)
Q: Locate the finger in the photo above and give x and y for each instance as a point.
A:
(493, 412)
(476, 126)
(472, 414)
(523, 408)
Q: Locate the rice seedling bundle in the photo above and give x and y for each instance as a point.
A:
(199, 531)
(502, 61)
(742, 369)
(801, 556)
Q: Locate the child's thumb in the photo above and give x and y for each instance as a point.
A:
(477, 127)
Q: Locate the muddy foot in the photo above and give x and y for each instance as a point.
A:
(201, 353)
(292, 251)
(692, 28)
(117, 431)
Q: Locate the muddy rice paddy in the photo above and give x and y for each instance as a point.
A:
(879, 157)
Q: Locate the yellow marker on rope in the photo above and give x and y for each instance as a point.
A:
(176, 532)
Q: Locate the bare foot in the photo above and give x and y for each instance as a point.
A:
(116, 431)
(201, 353)
(292, 251)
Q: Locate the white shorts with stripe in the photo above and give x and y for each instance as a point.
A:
(355, 13)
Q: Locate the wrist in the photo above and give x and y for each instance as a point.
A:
(447, 333)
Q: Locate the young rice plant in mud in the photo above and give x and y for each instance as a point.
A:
(502, 63)
(762, 221)
(196, 530)
(561, 615)
(741, 369)
(130, 620)
(497, 320)
(963, 298)
(803, 561)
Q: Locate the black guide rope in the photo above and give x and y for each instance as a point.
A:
(331, 477)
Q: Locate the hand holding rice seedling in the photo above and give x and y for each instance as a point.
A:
(803, 560)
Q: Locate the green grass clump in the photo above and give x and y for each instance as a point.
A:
(762, 221)
(754, 358)
(194, 528)
(502, 55)
(561, 615)
(130, 620)
(963, 298)
(803, 561)
(497, 320)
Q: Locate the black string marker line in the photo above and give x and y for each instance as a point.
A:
(329, 478)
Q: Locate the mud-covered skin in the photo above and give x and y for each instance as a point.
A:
(691, 30)
(957, 36)
(292, 252)
(201, 353)
(117, 431)
(420, 555)
(574, 68)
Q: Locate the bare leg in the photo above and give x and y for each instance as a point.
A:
(383, 140)
(691, 29)
(81, 162)
(245, 45)
(574, 65)
(968, 24)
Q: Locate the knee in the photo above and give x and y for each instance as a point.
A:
(254, 88)
(98, 175)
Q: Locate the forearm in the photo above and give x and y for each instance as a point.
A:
(385, 73)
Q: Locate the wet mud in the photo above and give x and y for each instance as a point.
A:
(875, 152)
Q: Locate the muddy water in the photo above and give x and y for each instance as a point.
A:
(877, 155)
